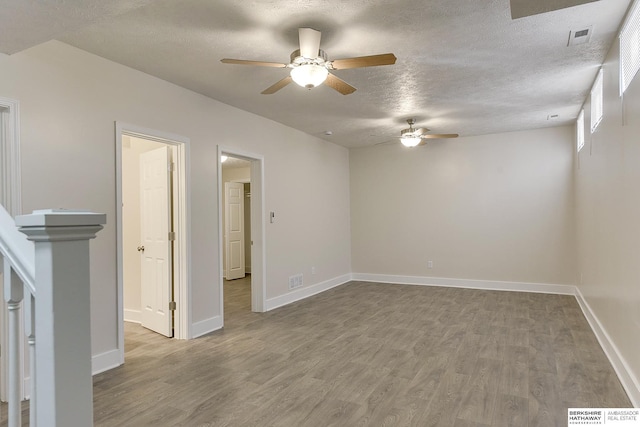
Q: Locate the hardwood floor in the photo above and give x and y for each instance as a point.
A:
(368, 354)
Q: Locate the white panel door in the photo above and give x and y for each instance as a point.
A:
(155, 246)
(234, 229)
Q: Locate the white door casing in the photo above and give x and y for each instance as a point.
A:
(155, 245)
(234, 229)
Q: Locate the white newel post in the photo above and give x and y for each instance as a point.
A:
(63, 387)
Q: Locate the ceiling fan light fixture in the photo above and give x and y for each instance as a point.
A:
(410, 140)
(309, 75)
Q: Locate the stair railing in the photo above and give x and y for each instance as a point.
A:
(47, 258)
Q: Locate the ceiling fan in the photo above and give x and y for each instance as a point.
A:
(413, 137)
(310, 65)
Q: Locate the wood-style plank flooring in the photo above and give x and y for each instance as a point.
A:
(367, 354)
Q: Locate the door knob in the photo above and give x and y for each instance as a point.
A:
(140, 248)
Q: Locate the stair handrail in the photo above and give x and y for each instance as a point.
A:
(17, 249)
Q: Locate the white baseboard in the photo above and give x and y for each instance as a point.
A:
(625, 375)
(492, 285)
(302, 293)
(205, 326)
(105, 361)
(133, 316)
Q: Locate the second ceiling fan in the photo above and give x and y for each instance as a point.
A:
(413, 137)
(310, 65)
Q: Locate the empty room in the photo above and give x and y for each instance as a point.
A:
(319, 213)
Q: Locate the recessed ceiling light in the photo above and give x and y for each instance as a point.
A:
(328, 132)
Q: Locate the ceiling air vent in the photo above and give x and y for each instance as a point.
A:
(580, 36)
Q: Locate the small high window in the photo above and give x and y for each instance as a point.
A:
(630, 47)
(596, 102)
(580, 130)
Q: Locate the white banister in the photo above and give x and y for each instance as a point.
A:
(18, 272)
(13, 294)
(15, 247)
(30, 330)
(63, 385)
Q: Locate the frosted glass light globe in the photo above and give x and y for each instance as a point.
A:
(410, 141)
(309, 75)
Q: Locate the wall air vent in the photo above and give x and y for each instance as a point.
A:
(581, 36)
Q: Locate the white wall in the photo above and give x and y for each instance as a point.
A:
(493, 207)
(69, 101)
(607, 175)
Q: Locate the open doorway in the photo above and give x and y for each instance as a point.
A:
(153, 286)
(240, 201)
(236, 220)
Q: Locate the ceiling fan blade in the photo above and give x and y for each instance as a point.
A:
(438, 136)
(309, 42)
(338, 84)
(258, 63)
(276, 87)
(363, 61)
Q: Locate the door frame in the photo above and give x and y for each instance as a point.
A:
(258, 252)
(182, 228)
(10, 115)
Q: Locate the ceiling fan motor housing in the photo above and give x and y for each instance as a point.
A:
(297, 59)
(408, 132)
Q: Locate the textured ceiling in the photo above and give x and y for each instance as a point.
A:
(463, 66)
(24, 24)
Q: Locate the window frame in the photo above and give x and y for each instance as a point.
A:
(597, 101)
(629, 43)
(580, 130)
